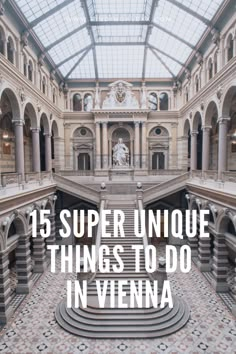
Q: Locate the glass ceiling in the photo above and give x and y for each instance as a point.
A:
(111, 39)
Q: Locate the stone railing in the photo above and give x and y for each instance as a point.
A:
(16, 180)
(212, 176)
(166, 172)
(75, 173)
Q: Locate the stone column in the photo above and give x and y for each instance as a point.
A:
(205, 148)
(174, 147)
(194, 150)
(48, 152)
(36, 150)
(144, 145)
(136, 146)
(104, 146)
(132, 153)
(19, 147)
(222, 153)
(204, 254)
(5, 309)
(67, 147)
(39, 253)
(220, 264)
(23, 265)
(193, 243)
(98, 146)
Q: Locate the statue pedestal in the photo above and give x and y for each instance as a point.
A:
(117, 172)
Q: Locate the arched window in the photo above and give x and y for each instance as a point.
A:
(164, 102)
(44, 85)
(77, 102)
(54, 95)
(197, 83)
(88, 102)
(152, 101)
(30, 71)
(230, 47)
(10, 50)
(2, 41)
(215, 64)
(210, 69)
(25, 65)
(186, 95)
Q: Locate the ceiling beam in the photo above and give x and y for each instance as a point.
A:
(162, 62)
(74, 55)
(165, 54)
(119, 23)
(50, 13)
(90, 30)
(189, 11)
(77, 63)
(80, 28)
(148, 34)
(173, 35)
(119, 43)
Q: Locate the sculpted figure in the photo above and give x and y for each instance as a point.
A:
(120, 154)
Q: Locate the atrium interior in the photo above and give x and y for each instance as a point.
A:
(117, 104)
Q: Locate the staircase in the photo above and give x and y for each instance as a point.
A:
(95, 322)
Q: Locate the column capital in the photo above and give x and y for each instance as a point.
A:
(104, 124)
(48, 135)
(223, 120)
(206, 128)
(136, 124)
(194, 133)
(18, 122)
(35, 130)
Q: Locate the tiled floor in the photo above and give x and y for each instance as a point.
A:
(211, 329)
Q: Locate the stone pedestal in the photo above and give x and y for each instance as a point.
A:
(23, 266)
(204, 254)
(220, 264)
(6, 310)
(193, 244)
(39, 254)
(193, 151)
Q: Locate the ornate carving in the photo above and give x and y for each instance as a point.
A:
(41, 59)
(24, 39)
(22, 95)
(53, 75)
(199, 58)
(215, 36)
(219, 92)
(120, 95)
(2, 10)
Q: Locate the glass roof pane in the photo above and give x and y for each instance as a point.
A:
(120, 61)
(85, 70)
(61, 23)
(133, 33)
(170, 45)
(205, 8)
(33, 9)
(172, 65)
(70, 45)
(66, 67)
(119, 10)
(179, 22)
(154, 68)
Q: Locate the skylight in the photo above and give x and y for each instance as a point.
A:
(92, 39)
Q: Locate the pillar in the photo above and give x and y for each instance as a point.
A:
(67, 133)
(193, 243)
(36, 150)
(220, 264)
(5, 309)
(39, 253)
(144, 145)
(98, 146)
(104, 145)
(23, 265)
(136, 146)
(19, 147)
(194, 150)
(205, 148)
(222, 153)
(51, 240)
(204, 254)
(48, 152)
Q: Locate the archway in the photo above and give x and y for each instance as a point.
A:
(158, 148)
(121, 133)
(55, 147)
(10, 111)
(211, 123)
(83, 149)
(187, 144)
(30, 120)
(45, 143)
(196, 143)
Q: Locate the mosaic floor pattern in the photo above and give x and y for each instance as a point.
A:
(33, 329)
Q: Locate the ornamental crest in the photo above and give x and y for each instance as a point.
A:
(120, 95)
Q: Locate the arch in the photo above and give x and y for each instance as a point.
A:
(225, 217)
(77, 132)
(197, 120)
(115, 126)
(211, 112)
(153, 101)
(25, 64)
(49, 205)
(187, 128)
(229, 47)
(227, 101)
(210, 68)
(15, 105)
(10, 50)
(54, 129)
(197, 83)
(44, 123)
(164, 101)
(20, 224)
(54, 99)
(77, 102)
(215, 62)
(88, 102)
(30, 112)
(44, 84)
(158, 131)
(2, 41)
(155, 126)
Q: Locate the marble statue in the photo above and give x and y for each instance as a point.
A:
(120, 154)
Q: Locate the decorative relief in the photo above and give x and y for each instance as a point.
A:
(120, 95)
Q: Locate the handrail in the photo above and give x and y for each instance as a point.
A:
(161, 186)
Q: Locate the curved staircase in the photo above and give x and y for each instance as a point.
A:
(95, 322)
